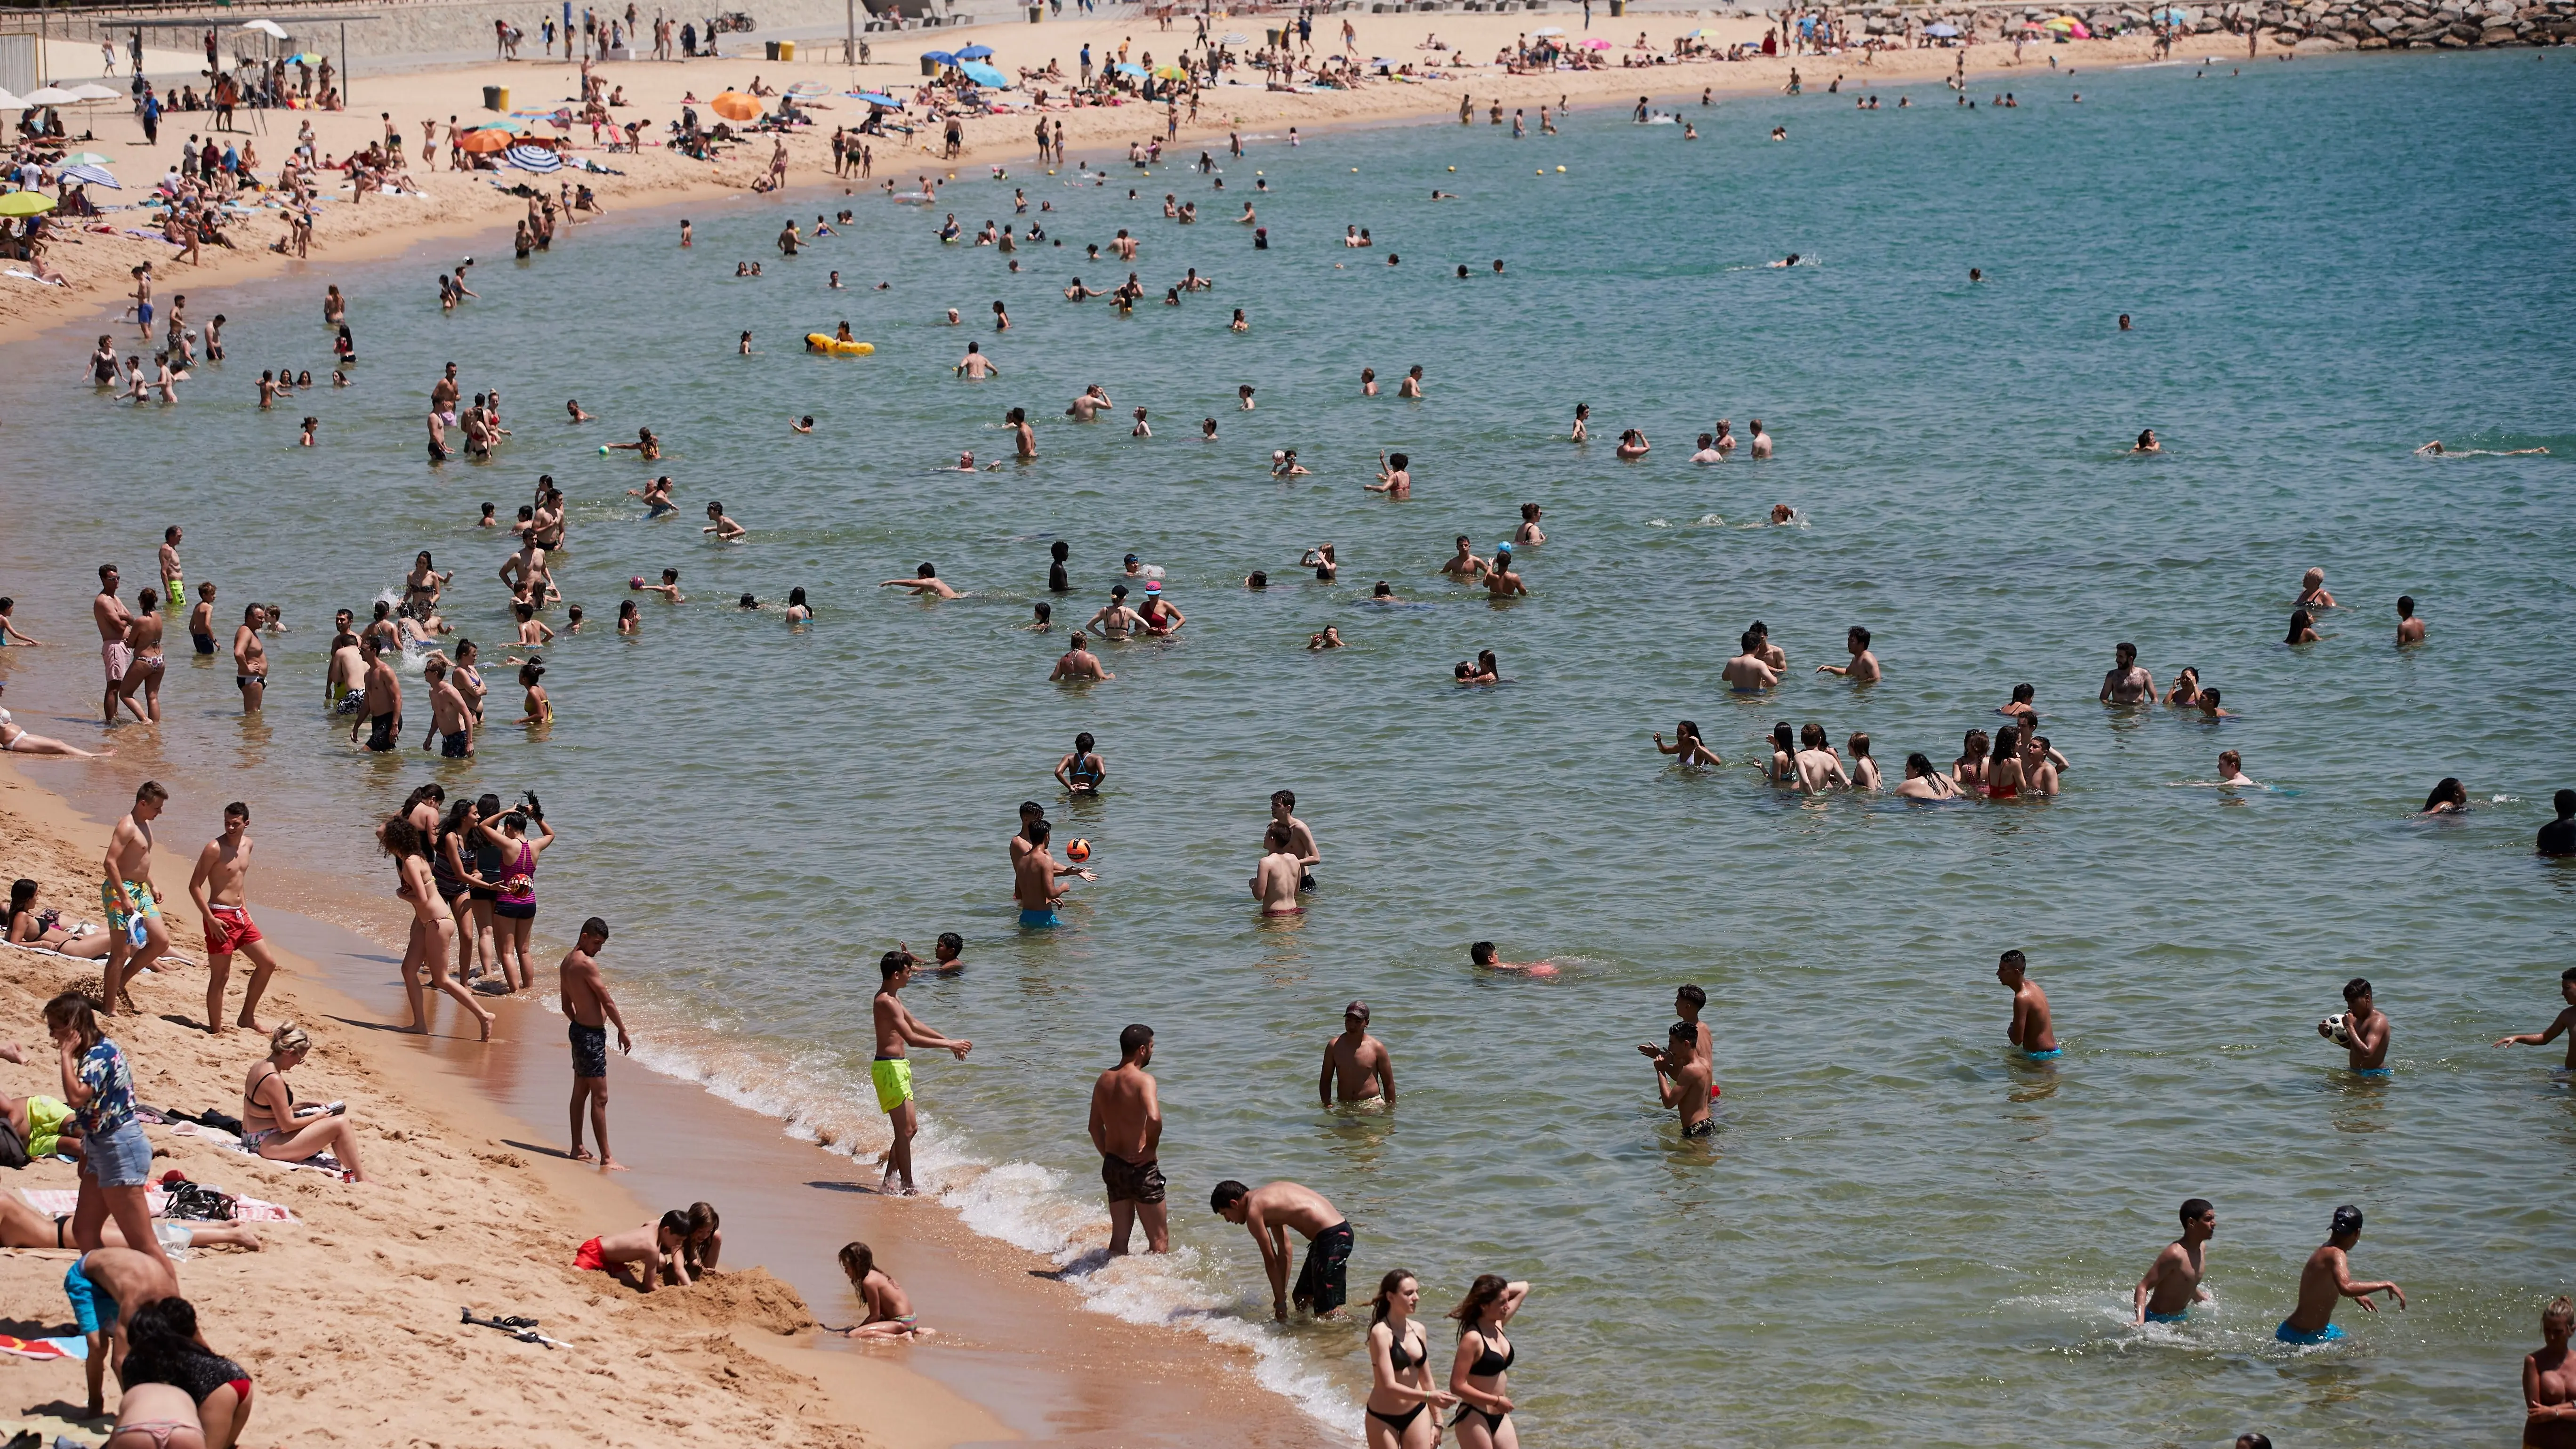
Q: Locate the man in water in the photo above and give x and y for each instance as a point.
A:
(1268, 1212)
(127, 895)
(1274, 880)
(2126, 684)
(2030, 1029)
(1301, 840)
(220, 888)
(975, 364)
(2326, 1277)
(1746, 673)
(342, 686)
(2231, 771)
(1482, 955)
(925, 584)
(1464, 565)
(588, 1012)
(2566, 1019)
(2410, 630)
(1036, 878)
(383, 691)
(898, 1030)
(1761, 440)
(2365, 1030)
(1088, 407)
(1681, 1079)
(1819, 768)
(1127, 1128)
(2558, 837)
(1501, 581)
(2172, 1283)
(1863, 668)
(1356, 1064)
(1079, 663)
(112, 617)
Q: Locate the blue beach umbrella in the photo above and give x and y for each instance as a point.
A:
(89, 175)
(1125, 69)
(939, 57)
(983, 75)
(2170, 16)
(877, 98)
(976, 52)
(534, 158)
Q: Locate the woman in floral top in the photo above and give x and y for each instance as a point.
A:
(117, 1164)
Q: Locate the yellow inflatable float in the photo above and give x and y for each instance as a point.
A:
(826, 342)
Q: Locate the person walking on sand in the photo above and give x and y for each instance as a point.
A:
(2030, 1029)
(1268, 1212)
(126, 892)
(1127, 1128)
(897, 1031)
(2172, 1283)
(220, 888)
(2326, 1277)
(1356, 1065)
(588, 1010)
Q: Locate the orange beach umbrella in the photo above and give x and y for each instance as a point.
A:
(486, 141)
(735, 105)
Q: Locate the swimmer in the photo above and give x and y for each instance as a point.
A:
(1081, 772)
(1301, 838)
(925, 584)
(2565, 1020)
(1243, 395)
(656, 496)
(2146, 443)
(1500, 581)
(1922, 782)
(2020, 707)
(804, 424)
(1632, 445)
(1394, 476)
(1582, 423)
(2312, 591)
(1463, 565)
(2326, 1277)
(1384, 593)
(1368, 382)
(669, 588)
(1864, 770)
(1412, 385)
(1747, 672)
(2125, 684)
(1274, 880)
(2434, 449)
(1079, 663)
(1142, 429)
(1688, 744)
(1863, 668)
(1819, 768)
(2030, 1029)
(645, 446)
(1207, 430)
(1320, 559)
(2449, 797)
(2207, 704)
(572, 409)
(2558, 837)
(1781, 513)
(2231, 771)
(1682, 1078)
(2365, 1030)
(1331, 638)
(1528, 534)
(1790, 261)
(798, 611)
(1240, 323)
(2172, 1282)
(1482, 955)
(975, 365)
(724, 528)
(2410, 630)
(1708, 450)
(1284, 464)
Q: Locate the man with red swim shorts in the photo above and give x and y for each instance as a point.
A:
(221, 889)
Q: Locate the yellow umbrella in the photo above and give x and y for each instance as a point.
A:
(1171, 72)
(486, 141)
(735, 106)
(25, 203)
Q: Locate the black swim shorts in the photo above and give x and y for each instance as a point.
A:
(1131, 1181)
(380, 734)
(589, 1049)
(1324, 1283)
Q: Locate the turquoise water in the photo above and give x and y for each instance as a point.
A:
(1898, 1232)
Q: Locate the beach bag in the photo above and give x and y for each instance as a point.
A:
(196, 1202)
(13, 1148)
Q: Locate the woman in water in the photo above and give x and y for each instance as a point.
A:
(2448, 798)
(1478, 1373)
(1320, 559)
(2186, 688)
(1528, 532)
(1864, 770)
(2021, 708)
(433, 927)
(421, 588)
(335, 308)
(1687, 744)
(2303, 628)
(1969, 770)
(2004, 777)
(1582, 419)
(1081, 772)
(2147, 443)
(1488, 669)
(16, 741)
(143, 639)
(345, 347)
(1783, 768)
(1922, 782)
(1400, 1388)
(627, 620)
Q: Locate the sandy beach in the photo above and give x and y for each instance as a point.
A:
(453, 205)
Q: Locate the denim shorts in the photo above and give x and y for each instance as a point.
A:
(123, 1158)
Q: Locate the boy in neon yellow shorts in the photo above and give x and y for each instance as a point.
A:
(897, 1031)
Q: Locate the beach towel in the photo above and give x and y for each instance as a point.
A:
(60, 1201)
(32, 277)
(74, 1347)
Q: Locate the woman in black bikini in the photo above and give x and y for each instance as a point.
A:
(1484, 1356)
(1399, 1360)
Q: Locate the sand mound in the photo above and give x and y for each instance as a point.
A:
(751, 1298)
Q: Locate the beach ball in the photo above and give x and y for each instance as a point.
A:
(1560, 171)
(1079, 851)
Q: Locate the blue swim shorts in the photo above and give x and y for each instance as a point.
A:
(2155, 1317)
(92, 1309)
(1038, 920)
(2327, 1334)
(2051, 1054)
(2370, 1071)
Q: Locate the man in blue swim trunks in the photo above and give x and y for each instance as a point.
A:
(2172, 1283)
(105, 1286)
(1036, 879)
(2030, 1029)
(2364, 1034)
(2327, 1277)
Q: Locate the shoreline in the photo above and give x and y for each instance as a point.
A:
(1018, 1354)
(455, 205)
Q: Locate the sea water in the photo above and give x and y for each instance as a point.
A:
(1899, 1232)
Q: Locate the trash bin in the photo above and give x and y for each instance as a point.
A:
(930, 67)
(786, 50)
(1618, 8)
(1037, 14)
(496, 98)
(769, 49)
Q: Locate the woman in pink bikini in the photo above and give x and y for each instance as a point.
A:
(515, 907)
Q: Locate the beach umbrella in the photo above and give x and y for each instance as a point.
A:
(534, 158)
(2062, 22)
(1550, 30)
(1699, 34)
(984, 75)
(877, 98)
(25, 203)
(485, 141)
(1942, 31)
(49, 96)
(1125, 69)
(735, 106)
(1594, 44)
(89, 175)
(939, 57)
(2170, 16)
(86, 158)
(1234, 38)
(976, 52)
(306, 58)
(265, 26)
(93, 91)
(1174, 72)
